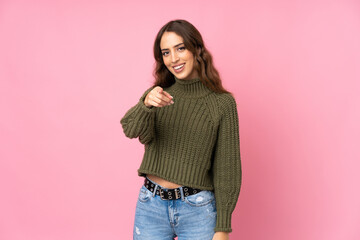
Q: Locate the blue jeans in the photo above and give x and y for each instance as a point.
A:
(189, 217)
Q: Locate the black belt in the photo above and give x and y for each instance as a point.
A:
(169, 194)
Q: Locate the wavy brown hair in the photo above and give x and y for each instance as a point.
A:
(193, 41)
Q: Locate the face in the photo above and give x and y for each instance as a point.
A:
(178, 59)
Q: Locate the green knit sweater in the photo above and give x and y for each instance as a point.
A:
(193, 142)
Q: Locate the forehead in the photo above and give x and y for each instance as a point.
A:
(170, 39)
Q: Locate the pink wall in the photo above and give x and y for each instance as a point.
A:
(69, 70)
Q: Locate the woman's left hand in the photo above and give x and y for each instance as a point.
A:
(221, 236)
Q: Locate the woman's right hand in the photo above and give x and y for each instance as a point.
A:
(157, 97)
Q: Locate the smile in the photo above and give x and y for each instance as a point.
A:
(179, 68)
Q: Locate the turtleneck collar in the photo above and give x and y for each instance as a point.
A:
(192, 88)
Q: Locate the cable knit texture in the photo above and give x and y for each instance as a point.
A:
(193, 142)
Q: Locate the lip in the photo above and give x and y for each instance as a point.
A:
(178, 65)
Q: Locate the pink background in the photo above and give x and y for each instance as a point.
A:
(70, 70)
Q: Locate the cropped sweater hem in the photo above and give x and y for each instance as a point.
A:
(143, 172)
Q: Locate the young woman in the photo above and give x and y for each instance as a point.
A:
(189, 126)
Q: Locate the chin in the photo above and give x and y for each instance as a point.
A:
(182, 76)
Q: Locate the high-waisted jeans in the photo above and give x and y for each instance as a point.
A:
(189, 217)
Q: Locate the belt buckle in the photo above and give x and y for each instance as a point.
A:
(162, 194)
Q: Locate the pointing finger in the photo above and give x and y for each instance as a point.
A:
(163, 97)
(167, 94)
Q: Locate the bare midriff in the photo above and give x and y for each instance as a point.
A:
(164, 183)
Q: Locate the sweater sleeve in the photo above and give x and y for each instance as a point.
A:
(227, 173)
(139, 120)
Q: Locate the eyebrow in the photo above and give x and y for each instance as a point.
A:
(174, 46)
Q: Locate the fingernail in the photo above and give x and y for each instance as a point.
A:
(171, 96)
(172, 102)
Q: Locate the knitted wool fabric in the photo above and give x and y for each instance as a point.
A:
(193, 142)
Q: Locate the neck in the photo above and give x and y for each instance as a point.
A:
(192, 88)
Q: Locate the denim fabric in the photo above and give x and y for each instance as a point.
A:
(192, 217)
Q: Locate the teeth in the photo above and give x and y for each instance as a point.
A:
(178, 67)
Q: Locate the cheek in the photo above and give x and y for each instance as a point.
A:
(190, 59)
(191, 62)
(166, 63)
(194, 65)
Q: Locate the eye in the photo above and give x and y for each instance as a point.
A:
(181, 48)
(164, 53)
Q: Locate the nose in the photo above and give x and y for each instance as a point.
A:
(174, 57)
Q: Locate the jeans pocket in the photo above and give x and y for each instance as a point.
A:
(144, 194)
(201, 198)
